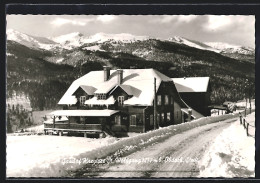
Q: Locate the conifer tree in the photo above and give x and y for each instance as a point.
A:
(9, 126)
(22, 124)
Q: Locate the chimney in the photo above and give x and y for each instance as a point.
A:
(106, 72)
(189, 115)
(119, 76)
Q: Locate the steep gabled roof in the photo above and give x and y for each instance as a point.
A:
(191, 84)
(130, 90)
(134, 81)
(88, 89)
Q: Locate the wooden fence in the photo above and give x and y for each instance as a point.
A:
(243, 122)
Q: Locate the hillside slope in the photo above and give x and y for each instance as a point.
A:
(44, 75)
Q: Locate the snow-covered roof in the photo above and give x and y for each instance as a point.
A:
(68, 100)
(103, 113)
(191, 84)
(138, 82)
(130, 90)
(95, 101)
(106, 87)
(88, 89)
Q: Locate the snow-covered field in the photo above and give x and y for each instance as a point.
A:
(232, 152)
(27, 153)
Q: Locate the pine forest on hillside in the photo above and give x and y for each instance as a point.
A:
(36, 73)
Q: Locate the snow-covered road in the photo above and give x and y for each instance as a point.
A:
(177, 156)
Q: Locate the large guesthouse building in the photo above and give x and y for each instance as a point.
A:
(120, 101)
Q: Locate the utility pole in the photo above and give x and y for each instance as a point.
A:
(155, 106)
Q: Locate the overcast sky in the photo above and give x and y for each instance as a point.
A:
(205, 28)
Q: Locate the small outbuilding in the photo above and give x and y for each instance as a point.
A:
(195, 91)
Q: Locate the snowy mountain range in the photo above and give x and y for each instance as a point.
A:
(76, 39)
(30, 41)
(230, 48)
(69, 41)
(195, 44)
(43, 68)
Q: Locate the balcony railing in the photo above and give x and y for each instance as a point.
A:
(75, 126)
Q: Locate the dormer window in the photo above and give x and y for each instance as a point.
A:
(101, 96)
(121, 100)
(82, 100)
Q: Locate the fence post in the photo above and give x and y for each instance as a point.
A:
(250, 104)
(240, 116)
(247, 124)
(244, 121)
(245, 112)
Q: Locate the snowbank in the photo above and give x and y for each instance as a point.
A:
(37, 129)
(63, 165)
(27, 154)
(231, 154)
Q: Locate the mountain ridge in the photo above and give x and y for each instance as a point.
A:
(77, 39)
(44, 75)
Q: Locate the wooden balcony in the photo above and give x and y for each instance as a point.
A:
(73, 127)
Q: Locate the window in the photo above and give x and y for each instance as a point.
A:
(162, 117)
(172, 102)
(159, 99)
(121, 100)
(118, 120)
(82, 119)
(168, 116)
(101, 96)
(82, 100)
(133, 120)
(151, 120)
(166, 101)
(158, 118)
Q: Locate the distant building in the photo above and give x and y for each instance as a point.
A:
(120, 101)
(195, 91)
